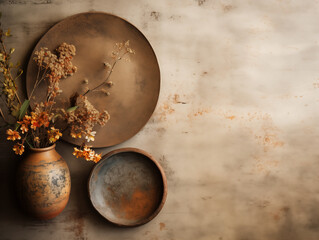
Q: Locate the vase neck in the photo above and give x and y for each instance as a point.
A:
(43, 149)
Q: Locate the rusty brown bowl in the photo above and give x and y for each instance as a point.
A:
(128, 187)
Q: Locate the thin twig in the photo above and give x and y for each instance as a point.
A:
(28, 142)
(2, 115)
(107, 78)
(37, 82)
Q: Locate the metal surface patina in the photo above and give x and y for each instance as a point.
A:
(134, 95)
(128, 187)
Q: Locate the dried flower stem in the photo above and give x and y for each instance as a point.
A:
(26, 140)
(108, 76)
(10, 75)
(38, 81)
(2, 115)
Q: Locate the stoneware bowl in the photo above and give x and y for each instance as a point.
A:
(128, 187)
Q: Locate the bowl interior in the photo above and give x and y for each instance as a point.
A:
(126, 188)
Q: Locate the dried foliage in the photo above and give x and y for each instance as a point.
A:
(37, 128)
(10, 74)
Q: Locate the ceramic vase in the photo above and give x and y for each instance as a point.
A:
(43, 183)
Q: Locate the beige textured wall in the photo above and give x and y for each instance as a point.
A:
(241, 155)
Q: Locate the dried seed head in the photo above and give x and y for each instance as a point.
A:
(107, 65)
(105, 92)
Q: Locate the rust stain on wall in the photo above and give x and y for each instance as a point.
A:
(198, 113)
(268, 139)
(204, 73)
(169, 172)
(164, 110)
(76, 221)
(162, 226)
(167, 107)
(280, 213)
(161, 130)
(260, 126)
(155, 15)
(231, 117)
(227, 7)
(200, 2)
(262, 130)
(264, 164)
(177, 99)
(268, 135)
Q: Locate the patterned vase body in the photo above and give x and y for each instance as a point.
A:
(43, 183)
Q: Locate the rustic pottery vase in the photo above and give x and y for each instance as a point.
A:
(43, 183)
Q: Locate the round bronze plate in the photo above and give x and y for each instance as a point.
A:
(128, 187)
(134, 95)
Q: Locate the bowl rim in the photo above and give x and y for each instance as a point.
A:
(159, 167)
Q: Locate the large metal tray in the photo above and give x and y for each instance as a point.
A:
(134, 95)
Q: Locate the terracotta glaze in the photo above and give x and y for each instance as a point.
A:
(43, 183)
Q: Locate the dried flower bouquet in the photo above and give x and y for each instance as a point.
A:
(37, 127)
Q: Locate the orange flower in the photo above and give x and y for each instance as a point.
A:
(76, 135)
(54, 135)
(26, 119)
(18, 148)
(97, 158)
(34, 122)
(36, 140)
(13, 135)
(25, 124)
(87, 153)
(91, 136)
(24, 128)
(38, 120)
(43, 119)
(76, 152)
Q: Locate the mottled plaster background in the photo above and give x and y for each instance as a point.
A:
(236, 126)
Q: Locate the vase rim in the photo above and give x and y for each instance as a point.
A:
(43, 149)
